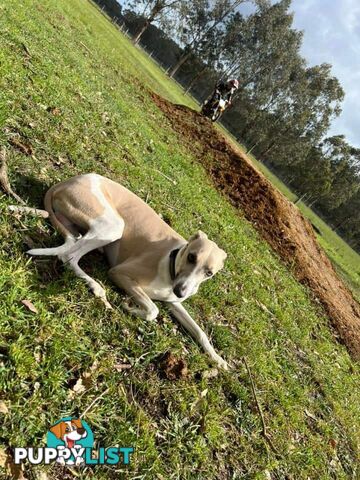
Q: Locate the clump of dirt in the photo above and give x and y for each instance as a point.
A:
(273, 215)
(172, 367)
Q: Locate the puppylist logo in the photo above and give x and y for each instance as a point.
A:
(70, 441)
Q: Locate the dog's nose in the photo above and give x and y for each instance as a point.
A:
(81, 431)
(179, 290)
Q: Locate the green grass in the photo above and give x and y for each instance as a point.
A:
(154, 76)
(79, 103)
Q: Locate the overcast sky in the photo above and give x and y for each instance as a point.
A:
(332, 34)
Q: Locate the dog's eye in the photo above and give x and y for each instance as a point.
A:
(191, 258)
(208, 273)
(67, 429)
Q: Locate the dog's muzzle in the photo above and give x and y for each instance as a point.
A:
(179, 290)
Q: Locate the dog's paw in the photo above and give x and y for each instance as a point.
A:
(149, 315)
(106, 303)
(99, 292)
(220, 362)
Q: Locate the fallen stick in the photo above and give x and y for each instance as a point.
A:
(26, 49)
(86, 48)
(264, 428)
(4, 179)
(32, 211)
(165, 176)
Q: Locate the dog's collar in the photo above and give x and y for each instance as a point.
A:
(173, 256)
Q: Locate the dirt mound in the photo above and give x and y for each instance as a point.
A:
(273, 215)
(172, 367)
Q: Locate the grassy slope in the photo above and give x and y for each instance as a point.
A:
(307, 384)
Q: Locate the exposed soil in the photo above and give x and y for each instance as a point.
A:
(172, 367)
(273, 215)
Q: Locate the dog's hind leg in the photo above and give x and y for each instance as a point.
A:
(70, 233)
(101, 233)
(72, 261)
(98, 236)
(55, 251)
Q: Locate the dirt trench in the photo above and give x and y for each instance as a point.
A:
(273, 215)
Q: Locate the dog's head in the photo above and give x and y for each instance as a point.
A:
(69, 431)
(196, 262)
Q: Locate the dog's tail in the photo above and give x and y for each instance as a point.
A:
(60, 227)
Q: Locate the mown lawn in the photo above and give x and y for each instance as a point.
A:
(72, 92)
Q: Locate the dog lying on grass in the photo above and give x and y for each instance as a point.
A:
(148, 259)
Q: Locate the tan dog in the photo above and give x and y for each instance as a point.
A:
(148, 259)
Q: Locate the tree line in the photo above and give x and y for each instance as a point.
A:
(283, 108)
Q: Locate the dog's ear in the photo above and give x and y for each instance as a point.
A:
(58, 430)
(77, 422)
(197, 235)
(222, 256)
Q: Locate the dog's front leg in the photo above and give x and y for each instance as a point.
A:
(193, 328)
(148, 310)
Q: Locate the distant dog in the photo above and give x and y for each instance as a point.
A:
(148, 259)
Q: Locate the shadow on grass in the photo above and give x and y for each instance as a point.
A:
(31, 189)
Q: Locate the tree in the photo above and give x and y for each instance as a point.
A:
(112, 7)
(208, 55)
(345, 166)
(220, 40)
(151, 11)
(314, 175)
(263, 52)
(304, 112)
(347, 218)
(197, 21)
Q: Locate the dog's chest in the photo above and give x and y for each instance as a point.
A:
(160, 290)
